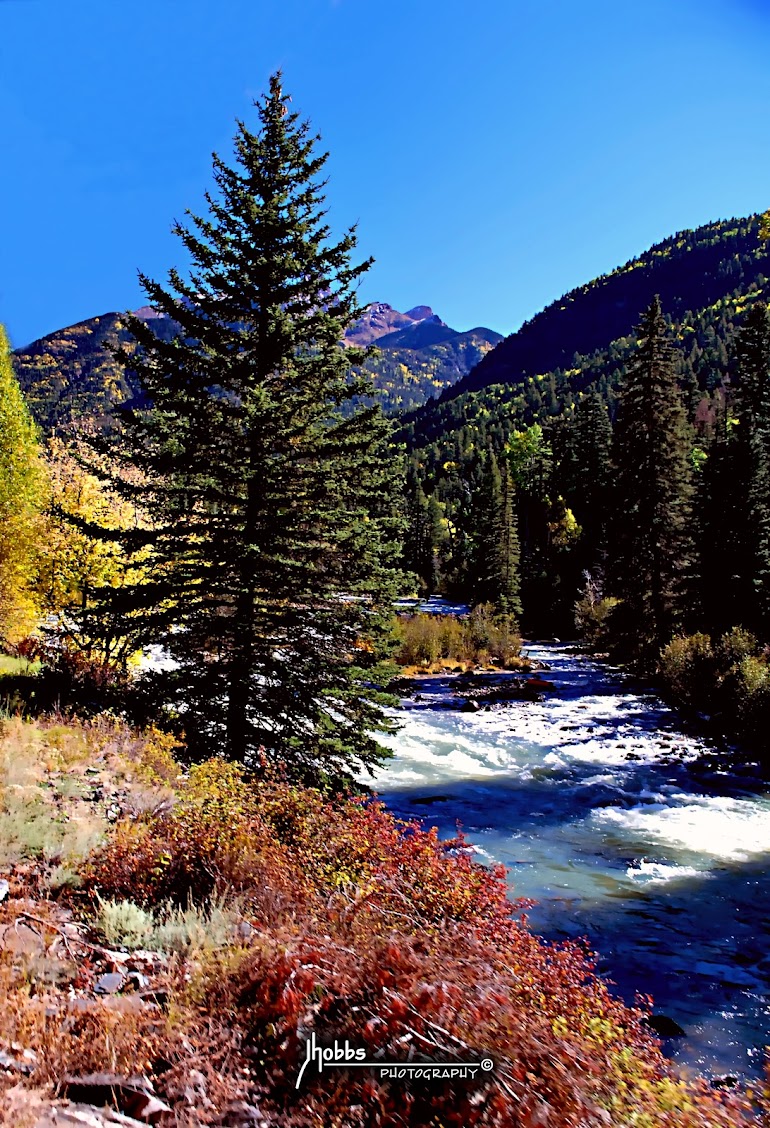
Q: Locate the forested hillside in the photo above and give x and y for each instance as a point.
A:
(705, 279)
(692, 271)
(612, 463)
(71, 374)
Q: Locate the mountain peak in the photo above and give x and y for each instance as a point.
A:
(421, 313)
(147, 313)
(380, 319)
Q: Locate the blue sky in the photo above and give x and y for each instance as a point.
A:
(494, 154)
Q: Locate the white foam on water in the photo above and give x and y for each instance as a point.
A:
(610, 731)
(615, 732)
(651, 873)
(714, 828)
(545, 765)
(428, 751)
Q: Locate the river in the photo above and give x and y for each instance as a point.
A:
(625, 827)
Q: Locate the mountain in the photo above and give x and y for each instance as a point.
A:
(71, 374)
(380, 320)
(705, 277)
(417, 354)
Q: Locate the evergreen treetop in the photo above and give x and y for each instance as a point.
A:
(651, 543)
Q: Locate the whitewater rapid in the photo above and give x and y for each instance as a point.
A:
(623, 826)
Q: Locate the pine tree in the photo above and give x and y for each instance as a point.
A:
(751, 480)
(22, 498)
(720, 508)
(423, 535)
(496, 563)
(270, 510)
(529, 462)
(651, 545)
(591, 496)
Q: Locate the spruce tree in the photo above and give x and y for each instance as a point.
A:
(651, 546)
(423, 535)
(751, 480)
(496, 563)
(723, 594)
(269, 510)
(591, 494)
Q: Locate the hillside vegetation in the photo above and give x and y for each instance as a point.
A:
(181, 934)
(692, 272)
(71, 374)
(520, 463)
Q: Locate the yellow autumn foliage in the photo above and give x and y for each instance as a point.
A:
(23, 487)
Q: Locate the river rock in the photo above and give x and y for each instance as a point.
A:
(110, 983)
(663, 1026)
(133, 1096)
(24, 1064)
(242, 1113)
(84, 1116)
(540, 684)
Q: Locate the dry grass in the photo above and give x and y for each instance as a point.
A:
(167, 928)
(62, 785)
(438, 642)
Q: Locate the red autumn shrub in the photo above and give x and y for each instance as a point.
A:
(373, 930)
(566, 1053)
(212, 840)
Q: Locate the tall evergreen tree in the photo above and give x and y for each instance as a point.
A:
(752, 463)
(591, 493)
(495, 572)
(423, 534)
(720, 510)
(651, 543)
(529, 462)
(271, 519)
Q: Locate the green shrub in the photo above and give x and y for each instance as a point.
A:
(730, 680)
(167, 928)
(124, 924)
(689, 669)
(426, 640)
(736, 645)
(751, 689)
(593, 617)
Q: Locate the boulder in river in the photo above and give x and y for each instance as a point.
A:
(540, 684)
(664, 1026)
